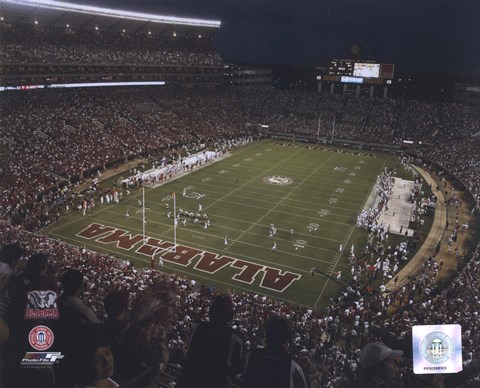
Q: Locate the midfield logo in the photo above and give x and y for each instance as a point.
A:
(278, 180)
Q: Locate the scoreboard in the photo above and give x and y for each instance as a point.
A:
(358, 72)
(341, 67)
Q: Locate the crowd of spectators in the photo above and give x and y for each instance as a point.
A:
(324, 343)
(56, 139)
(27, 44)
(383, 189)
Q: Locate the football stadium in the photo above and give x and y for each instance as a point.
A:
(173, 218)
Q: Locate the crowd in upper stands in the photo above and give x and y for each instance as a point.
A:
(24, 44)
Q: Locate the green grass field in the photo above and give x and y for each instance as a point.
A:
(326, 191)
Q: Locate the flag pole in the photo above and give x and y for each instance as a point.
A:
(174, 223)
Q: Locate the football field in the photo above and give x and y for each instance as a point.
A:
(276, 210)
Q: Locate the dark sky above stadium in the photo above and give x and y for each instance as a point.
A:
(423, 35)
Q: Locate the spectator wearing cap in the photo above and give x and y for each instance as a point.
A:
(378, 366)
(216, 352)
(272, 366)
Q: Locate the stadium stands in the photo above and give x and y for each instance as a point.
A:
(324, 343)
(65, 137)
(54, 45)
(54, 140)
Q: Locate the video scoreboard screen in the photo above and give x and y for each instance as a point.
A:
(351, 71)
(368, 70)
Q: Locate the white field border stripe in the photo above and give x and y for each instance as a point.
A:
(333, 268)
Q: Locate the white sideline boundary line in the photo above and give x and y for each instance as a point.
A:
(345, 244)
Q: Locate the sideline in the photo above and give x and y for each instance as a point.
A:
(435, 236)
(186, 172)
(111, 172)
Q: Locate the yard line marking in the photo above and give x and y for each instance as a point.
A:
(253, 179)
(289, 194)
(134, 196)
(300, 215)
(169, 228)
(353, 211)
(188, 273)
(306, 187)
(163, 235)
(121, 253)
(346, 242)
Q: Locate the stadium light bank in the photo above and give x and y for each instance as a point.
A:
(82, 85)
(71, 7)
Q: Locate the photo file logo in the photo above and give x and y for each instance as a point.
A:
(40, 359)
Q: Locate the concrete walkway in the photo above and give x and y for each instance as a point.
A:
(400, 208)
(439, 234)
(414, 266)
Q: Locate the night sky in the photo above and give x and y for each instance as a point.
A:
(441, 36)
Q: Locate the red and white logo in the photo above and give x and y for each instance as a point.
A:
(41, 338)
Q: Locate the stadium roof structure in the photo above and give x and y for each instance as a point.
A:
(77, 16)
